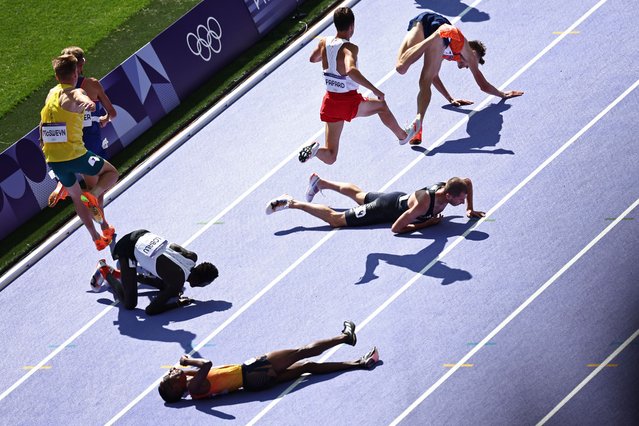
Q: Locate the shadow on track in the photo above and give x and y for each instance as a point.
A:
(483, 131)
(138, 325)
(453, 8)
(416, 262)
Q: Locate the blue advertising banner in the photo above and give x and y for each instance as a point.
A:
(143, 89)
(268, 13)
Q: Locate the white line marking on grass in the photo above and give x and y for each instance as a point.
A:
(510, 317)
(588, 378)
(407, 285)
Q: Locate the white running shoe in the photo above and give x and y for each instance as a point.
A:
(279, 203)
(308, 152)
(411, 130)
(312, 189)
(370, 359)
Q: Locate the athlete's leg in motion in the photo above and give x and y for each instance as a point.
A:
(411, 49)
(106, 178)
(375, 106)
(91, 182)
(332, 133)
(125, 290)
(287, 366)
(349, 190)
(333, 218)
(75, 192)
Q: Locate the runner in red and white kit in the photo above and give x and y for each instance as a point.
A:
(342, 102)
(432, 36)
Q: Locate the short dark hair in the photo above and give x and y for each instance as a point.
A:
(343, 18)
(203, 274)
(455, 186)
(167, 392)
(479, 48)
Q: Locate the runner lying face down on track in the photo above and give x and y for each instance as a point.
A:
(342, 102)
(407, 212)
(166, 266)
(432, 36)
(259, 373)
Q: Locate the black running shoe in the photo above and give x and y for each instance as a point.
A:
(308, 152)
(349, 330)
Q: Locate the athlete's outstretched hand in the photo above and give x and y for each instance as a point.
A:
(512, 94)
(475, 213)
(460, 102)
(379, 94)
(184, 359)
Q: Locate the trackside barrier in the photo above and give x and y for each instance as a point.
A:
(171, 146)
(143, 89)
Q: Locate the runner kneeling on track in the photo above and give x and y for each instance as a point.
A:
(169, 265)
(261, 372)
(407, 212)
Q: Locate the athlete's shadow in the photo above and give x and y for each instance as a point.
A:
(483, 130)
(453, 8)
(212, 405)
(417, 262)
(326, 228)
(137, 324)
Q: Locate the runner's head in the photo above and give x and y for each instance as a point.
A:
(173, 385)
(202, 275)
(344, 19)
(65, 68)
(455, 190)
(78, 53)
(479, 50)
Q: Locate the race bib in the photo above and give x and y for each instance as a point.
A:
(149, 243)
(54, 132)
(360, 211)
(87, 120)
(448, 53)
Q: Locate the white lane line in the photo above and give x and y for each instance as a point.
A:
(328, 236)
(55, 352)
(463, 236)
(588, 378)
(510, 317)
(155, 159)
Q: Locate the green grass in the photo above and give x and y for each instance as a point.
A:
(108, 31)
(67, 22)
(121, 44)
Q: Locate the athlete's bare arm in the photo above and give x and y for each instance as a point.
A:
(95, 87)
(484, 85)
(404, 223)
(470, 211)
(439, 85)
(350, 52)
(76, 100)
(199, 383)
(316, 55)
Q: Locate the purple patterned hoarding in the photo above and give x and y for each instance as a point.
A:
(143, 89)
(268, 13)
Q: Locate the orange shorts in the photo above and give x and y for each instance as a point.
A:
(340, 106)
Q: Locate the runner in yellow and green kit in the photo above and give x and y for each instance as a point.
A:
(61, 141)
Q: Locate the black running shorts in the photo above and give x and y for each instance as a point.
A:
(378, 207)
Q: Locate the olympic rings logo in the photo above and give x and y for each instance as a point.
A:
(206, 40)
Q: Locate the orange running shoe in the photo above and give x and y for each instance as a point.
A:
(417, 139)
(58, 194)
(93, 205)
(101, 243)
(109, 232)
